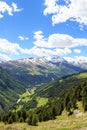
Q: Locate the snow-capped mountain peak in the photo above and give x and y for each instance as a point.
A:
(56, 59)
(78, 61)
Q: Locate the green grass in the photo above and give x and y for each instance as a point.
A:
(30, 95)
(41, 101)
(34, 71)
(62, 122)
(82, 75)
(25, 97)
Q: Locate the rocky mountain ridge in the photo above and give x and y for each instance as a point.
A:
(32, 71)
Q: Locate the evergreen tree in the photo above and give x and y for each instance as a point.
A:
(35, 120)
(67, 102)
(79, 96)
(84, 98)
(10, 120)
(30, 119)
(54, 114)
(24, 115)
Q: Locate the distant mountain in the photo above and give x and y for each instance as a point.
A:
(33, 71)
(82, 63)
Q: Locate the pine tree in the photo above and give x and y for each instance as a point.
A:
(54, 114)
(35, 120)
(30, 119)
(24, 115)
(84, 98)
(10, 121)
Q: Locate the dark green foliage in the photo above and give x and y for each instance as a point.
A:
(24, 115)
(54, 113)
(35, 120)
(30, 104)
(67, 101)
(9, 90)
(30, 119)
(10, 120)
(21, 119)
(84, 98)
(78, 93)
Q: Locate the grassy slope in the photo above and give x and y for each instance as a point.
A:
(51, 90)
(29, 96)
(78, 121)
(55, 87)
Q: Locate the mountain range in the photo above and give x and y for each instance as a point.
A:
(33, 71)
(17, 76)
(40, 83)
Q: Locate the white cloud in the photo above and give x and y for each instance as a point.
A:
(73, 10)
(36, 51)
(77, 51)
(8, 47)
(4, 57)
(11, 49)
(76, 59)
(38, 35)
(10, 9)
(22, 38)
(15, 8)
(58, 41)
(81, 58)
(55, 44)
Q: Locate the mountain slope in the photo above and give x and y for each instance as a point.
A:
(54, 88)
(9, 89)
(35, 71)
(51, 90)
(79, 62)
(69, 106)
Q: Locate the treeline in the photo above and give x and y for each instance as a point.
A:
(67, 100)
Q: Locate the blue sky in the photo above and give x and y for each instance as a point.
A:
(33, 28)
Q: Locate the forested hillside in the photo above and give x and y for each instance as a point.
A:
(9, 90)
(75, 91)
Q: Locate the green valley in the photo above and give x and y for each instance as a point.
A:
(40, 107)
(35, 106)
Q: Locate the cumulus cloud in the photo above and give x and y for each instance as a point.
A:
(10, 9)
(77, 51)
(73, 10)
(22, 38)
(54, 44)
(58, 41)
(37, 51)
(9, 47)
